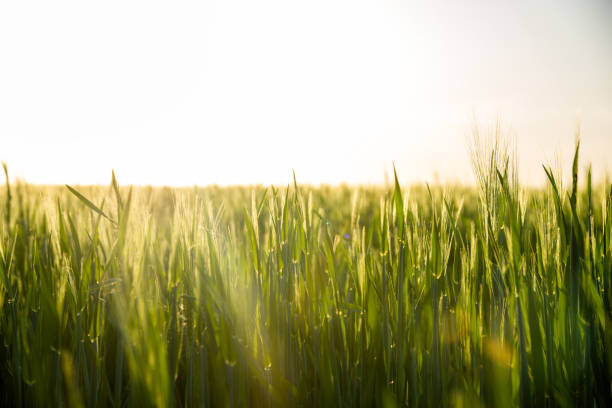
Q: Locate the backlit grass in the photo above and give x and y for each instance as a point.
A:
(299, 296)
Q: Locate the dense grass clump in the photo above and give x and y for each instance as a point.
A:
(298, 296)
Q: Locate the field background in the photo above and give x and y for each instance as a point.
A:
(301, 296)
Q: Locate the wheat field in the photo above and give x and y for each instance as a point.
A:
(494, 295)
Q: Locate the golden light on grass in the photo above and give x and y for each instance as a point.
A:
(449, 271)
(498, 352)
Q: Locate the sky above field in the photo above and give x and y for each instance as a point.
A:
(236, 92)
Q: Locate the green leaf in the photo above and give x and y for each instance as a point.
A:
(88, 203)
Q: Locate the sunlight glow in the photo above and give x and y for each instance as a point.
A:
(234, 92)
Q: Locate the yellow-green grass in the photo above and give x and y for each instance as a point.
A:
(301, 296)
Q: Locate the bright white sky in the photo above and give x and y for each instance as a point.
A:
(227, 92)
